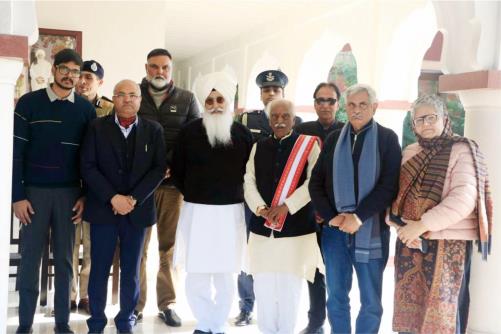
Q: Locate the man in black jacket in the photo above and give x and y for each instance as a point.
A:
(172, 107)
(354, 181)
(326, 102)
(122, 162)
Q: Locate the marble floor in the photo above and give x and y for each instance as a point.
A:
(151, 323)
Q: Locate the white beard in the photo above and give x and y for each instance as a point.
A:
(158, 82)
(218, 127)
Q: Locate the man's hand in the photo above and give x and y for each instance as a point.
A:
(264, 212)
(350, 224)
(78, 209)
(336, 221)
(122, 205)
(275, 213)
(167, 173)
(411, 231)
(23, 211)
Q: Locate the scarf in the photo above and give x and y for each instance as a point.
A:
(368, 238)
(422, 180)
(126, 122)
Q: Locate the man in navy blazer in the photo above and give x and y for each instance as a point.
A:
(123, 160)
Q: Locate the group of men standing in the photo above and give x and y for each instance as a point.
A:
(264, 186)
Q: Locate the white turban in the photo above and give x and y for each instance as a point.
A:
(219, 81)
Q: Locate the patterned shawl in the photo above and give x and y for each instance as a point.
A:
(422, 180)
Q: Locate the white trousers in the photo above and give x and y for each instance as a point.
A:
(210, 297)
(277, 297)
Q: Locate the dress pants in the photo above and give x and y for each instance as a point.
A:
(245, 281)
(211, 309)
(317, 294)
(168, 202)
(104, 239)
(338, 249)
(81, 278)
(53, 209)
(277, 297)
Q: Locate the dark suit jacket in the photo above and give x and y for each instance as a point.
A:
(102, 170)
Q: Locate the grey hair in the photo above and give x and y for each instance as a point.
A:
(358, 88)
(434, 101)
(280, 102)
(127, 81)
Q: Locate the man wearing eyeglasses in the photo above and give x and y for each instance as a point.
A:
(173, 108)
(49, 125)
(353, 182)
(325, 97)
(122, 162)
(91, 78)
(208, 168)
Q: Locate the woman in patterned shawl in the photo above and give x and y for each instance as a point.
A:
(443, 204)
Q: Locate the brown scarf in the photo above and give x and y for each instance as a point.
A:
(422, 180)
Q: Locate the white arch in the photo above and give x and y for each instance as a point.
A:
(316, 64)
(404, 56)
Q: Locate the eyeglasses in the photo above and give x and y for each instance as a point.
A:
(362, 106)
(428, 119)
(64, 70)
(122, 96)
(210, 100)
(331, 101)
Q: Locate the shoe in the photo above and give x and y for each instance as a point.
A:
(243, 319)
(139, 315)
(24, 330)
(83, 305)
(312, 330)
(125, 331)
(198, 331)
(63, 329)
(73, 306)
(170, 318)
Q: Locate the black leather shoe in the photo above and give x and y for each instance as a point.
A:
(312, 330)
(170, 318)
(139, 315)
(63, 329)
(24, 330)
(198, 331)
(126, 331)
(243, 319)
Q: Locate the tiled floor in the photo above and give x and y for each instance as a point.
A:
(152, 324)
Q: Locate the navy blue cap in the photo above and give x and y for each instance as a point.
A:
(93, 67)
(272, 78)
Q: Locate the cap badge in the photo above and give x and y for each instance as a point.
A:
(270, 77)
(93, 67)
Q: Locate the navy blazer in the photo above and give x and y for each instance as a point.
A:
(102, 170)
(322, 190)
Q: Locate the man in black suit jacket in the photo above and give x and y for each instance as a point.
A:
(123, 160)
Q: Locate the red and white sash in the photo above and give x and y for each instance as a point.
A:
(290, 176)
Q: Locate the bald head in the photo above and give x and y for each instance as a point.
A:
(127, 98)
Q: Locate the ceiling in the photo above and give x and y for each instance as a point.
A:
(208, 23)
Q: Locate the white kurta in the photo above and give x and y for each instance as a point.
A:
(210, 238)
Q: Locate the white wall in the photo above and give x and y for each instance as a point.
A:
(114, 33)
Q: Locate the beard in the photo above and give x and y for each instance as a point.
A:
(158, 82)
(65, 83)
(217, 124)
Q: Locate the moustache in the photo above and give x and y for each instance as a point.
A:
(279, 125)
(215, 111)
(67, 79)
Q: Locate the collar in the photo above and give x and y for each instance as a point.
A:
(130, 127)
(53, 96)
(284, 137)
(330, 126)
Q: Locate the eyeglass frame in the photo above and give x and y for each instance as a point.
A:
(218, 99)
(64, 70)
(321, 100)
(432, 119)
(122, 96)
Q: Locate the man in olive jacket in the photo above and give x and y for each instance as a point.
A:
(172, 107)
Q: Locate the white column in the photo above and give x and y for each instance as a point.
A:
(10, 70)
(483, 124)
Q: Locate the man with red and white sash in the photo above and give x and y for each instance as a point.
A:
(283, 249)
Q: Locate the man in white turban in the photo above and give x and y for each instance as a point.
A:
(208, 168)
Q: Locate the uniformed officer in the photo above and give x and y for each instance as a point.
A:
(271, 84)
(91, 78)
